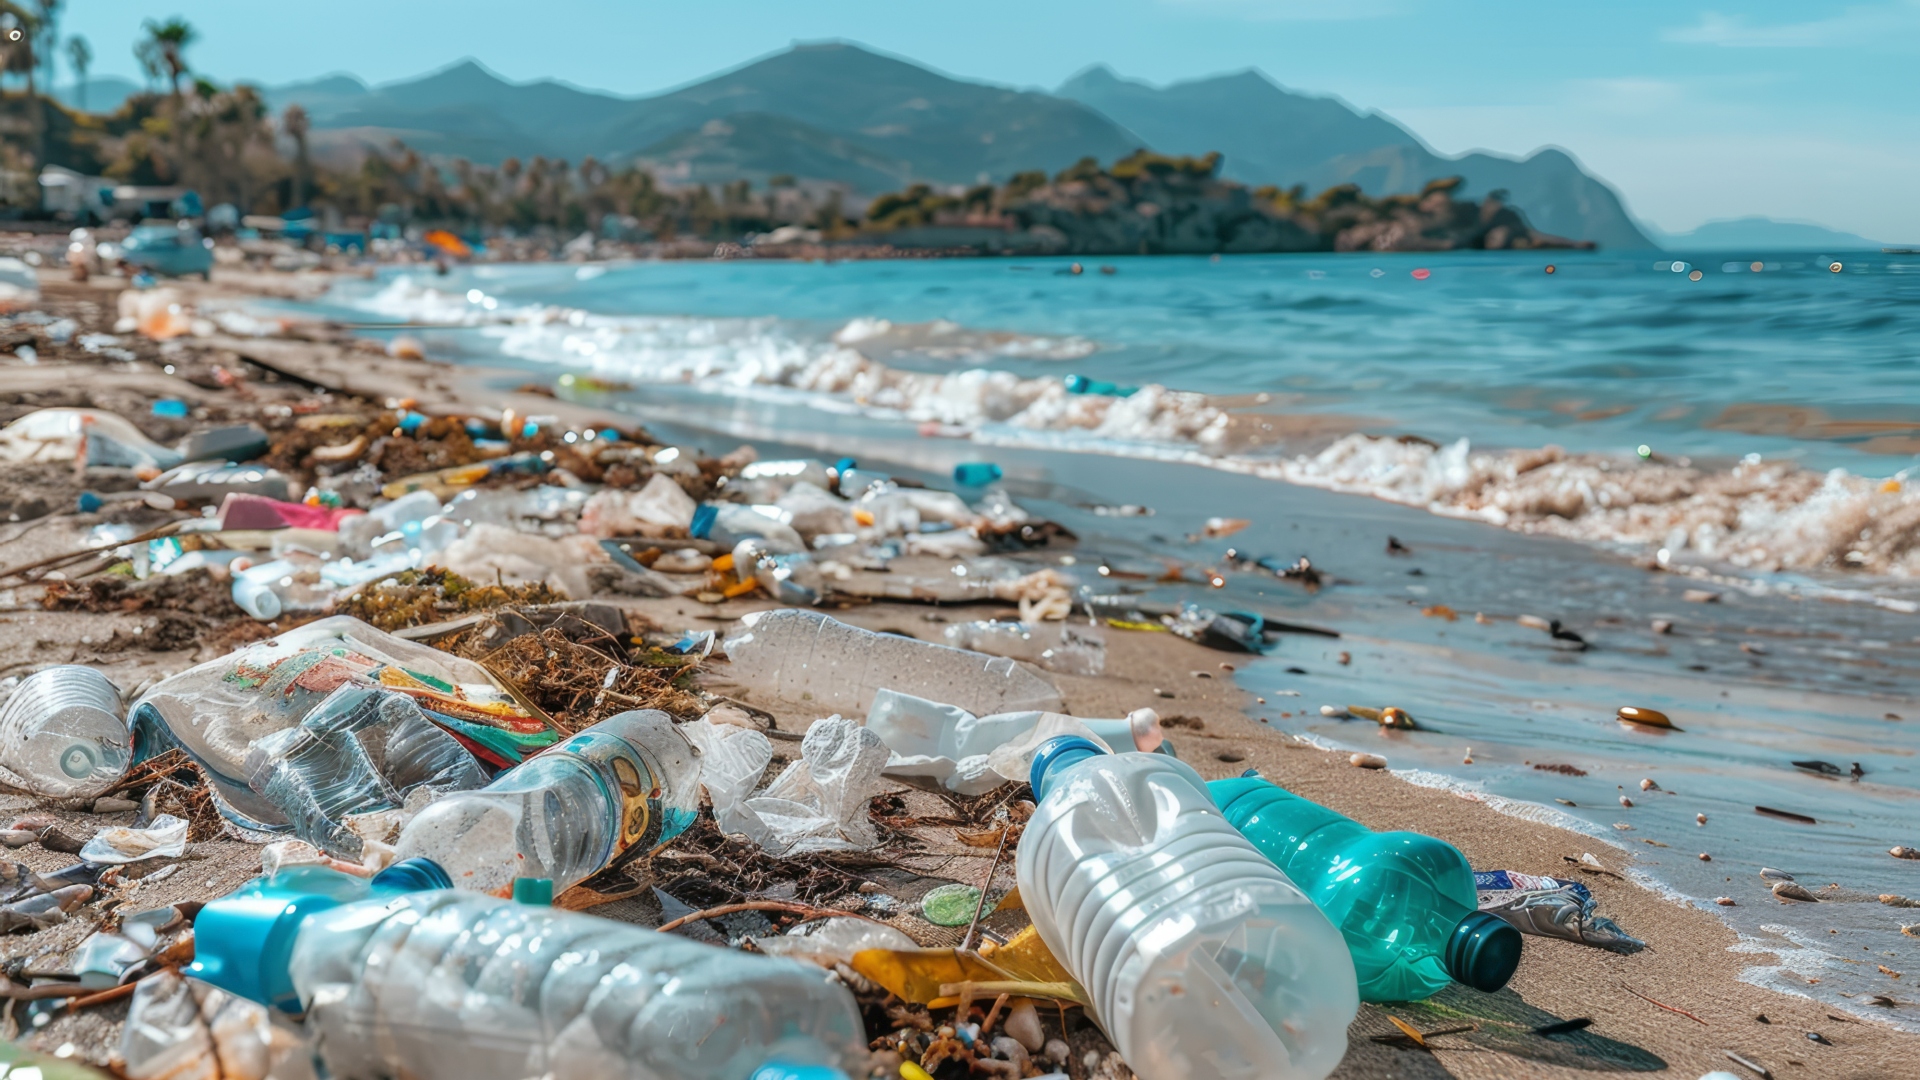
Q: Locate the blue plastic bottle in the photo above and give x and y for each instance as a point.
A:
(1405, 902)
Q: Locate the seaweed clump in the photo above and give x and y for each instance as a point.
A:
(418, 597)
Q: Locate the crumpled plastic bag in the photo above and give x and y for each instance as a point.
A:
(935, 745)
(659, 506)
(836, 940)
(732, 761)
(819, 803)
(493, 552)
(1550, 907)
(166, 838)
(183, 1029)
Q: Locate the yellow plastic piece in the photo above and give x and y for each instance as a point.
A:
(910, 1071)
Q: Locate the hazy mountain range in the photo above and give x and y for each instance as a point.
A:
(839, 113)
(1765, 234)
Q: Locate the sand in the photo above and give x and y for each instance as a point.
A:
(1689, 966)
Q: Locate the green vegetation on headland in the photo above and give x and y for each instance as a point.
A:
(227, 146)
(1150, 204)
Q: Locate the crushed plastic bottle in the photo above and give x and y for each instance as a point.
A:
(216, 711)
(1405, 902)
(272, 589)
(808, 657)
(620, 788)
(359, 751)
(941, 746)
(1068, 649)
(64, 734)
(1203, 961)
(403, 976)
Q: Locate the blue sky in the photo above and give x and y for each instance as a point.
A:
(1694, 111)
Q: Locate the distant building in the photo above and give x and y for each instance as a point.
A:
(64, 191)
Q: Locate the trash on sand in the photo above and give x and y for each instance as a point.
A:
(181, 1028)
(1210, 954)
(372, 965)
(1024, 966)
(732, 761)
(1785, 815)
(621, 788)
(166, 838)
(63, 733)
(661, 508)
(1550, 907)
(360, 751)
(1237, 631)
(1435, 932)
(1062, 647)
(934, 745)
(82, 437)
(819, 803)
(1645, 717)
(950, 905)
(217, 710)
(43, 909)
(811, 658)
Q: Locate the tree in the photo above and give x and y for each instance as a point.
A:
(80, 57)
(295, 123)
(163, 52)
(19, 28)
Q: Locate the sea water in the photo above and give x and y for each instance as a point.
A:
(1738, 437)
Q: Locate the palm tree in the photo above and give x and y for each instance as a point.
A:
(80, 55)
(295, 123)
(48, 45)
(163, 52)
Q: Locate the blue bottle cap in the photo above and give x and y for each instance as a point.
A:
(1057, 753)
(844, 464)
(704, 516)
(245, 940)
(533, 891)
(780, 1070)
(89, 502)
(1483, 952)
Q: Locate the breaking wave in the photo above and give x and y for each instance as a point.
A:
(1755, 516)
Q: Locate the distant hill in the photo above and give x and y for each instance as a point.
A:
(1766, 234)
(97, 95)
(838, 113)
(1271, 135)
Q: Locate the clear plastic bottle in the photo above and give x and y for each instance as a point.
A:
(361, 750)
(1202, 959)
(626, 784)
(808, 657)
(1405, 902)
(270, 589)
(1062, 647)
(402, 976)
(64, 734)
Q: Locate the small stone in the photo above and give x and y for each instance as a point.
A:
(1624, 801)
(1699, 819)
(950, 905)
(1904, 852)
(1649, 785)
(1023, 1023)
(1663, 626)
(1367, 761)
(1535, 622)
(1333, 712)
(1768, 873)
(1725, 901)
(1231, 757)
(1814, 1036)
(1224, 666)
(1793, 890)
(1203, 674)
(1346, 658)
(110, 805)
(1704, 857)
(1056, 1051)
(1700, 596)
(1163, 693)
(868, 887)
(1650, 717)
(1260, 700)
(58, 839)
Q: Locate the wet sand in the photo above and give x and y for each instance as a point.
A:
(1688, 965)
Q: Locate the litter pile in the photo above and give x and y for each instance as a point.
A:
(429, 699)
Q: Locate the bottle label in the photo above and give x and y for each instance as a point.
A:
(646, 823)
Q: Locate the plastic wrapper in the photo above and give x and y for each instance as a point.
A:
(819, 803)
(1550, 907)
(166, 838)
(834, 941)
(182, 1029)
(934, 745)
(732, 761)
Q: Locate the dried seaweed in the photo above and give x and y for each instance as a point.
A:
(419, 597)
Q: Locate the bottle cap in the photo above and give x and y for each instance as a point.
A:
(533, 891)
(245, 941)
(1057, 753)
(704, 516)
(780, 1070)
(1483, 952)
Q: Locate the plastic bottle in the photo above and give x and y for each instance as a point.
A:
(1071, 650)
(805, 656)
(403, 976)
(1202, 959)
(361, 750)
(1405, 902)
(626, 784)
(270, 589)
(64, 734)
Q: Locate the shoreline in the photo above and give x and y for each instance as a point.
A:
(1690, 950)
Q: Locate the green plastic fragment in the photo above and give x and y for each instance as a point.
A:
(951, 905)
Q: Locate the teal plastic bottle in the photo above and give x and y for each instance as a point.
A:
(1405, 902)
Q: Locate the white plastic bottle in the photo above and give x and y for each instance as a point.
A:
(407, 978)
(810, 658)
(267, 590)
(1202, 959)
(627, 783)
(64, 733)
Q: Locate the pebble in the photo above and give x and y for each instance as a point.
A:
(1700, 596)
(1663, 626)
(114, 806)
(1699, 819)
(1534, 622)
(1261, 700)
(58, 839)
(1203, 674)
(1814, 1036)
(1368, 761)
(1624, 801)
(684, 561)
(1725, 901)
(1334, 712)
(1704, 857)
(1770, 874)
(1650, 717)
(1649, 785)
(1793, 890)
(1467, 758)
(1023, 1024)
(1056, 1051)
(1163, 693)
(1904, 852)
